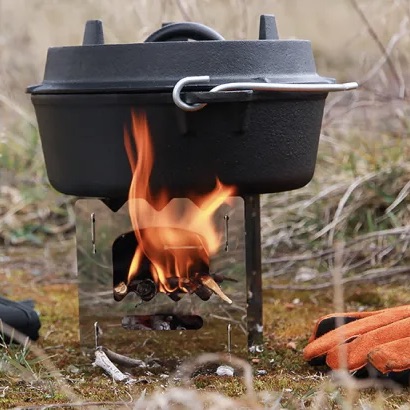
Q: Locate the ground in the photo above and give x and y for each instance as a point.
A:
(288, 318)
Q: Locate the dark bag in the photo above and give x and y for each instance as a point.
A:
(21, 316)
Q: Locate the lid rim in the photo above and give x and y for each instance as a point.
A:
(161, 65)
(157, 86)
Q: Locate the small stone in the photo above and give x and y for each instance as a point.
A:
(177, 376)
(261, 372)
(296, 301)
(255, 360)
(259, 328)
(225, 371)
(73, 369)
(163, 376)
(291, 346)
(256, 349)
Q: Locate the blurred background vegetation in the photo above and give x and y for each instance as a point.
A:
(360, 190)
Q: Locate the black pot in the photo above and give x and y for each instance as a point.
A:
(259, 141)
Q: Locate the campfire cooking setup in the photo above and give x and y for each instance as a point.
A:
(168, 144)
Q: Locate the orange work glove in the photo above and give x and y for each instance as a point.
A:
(364, 341)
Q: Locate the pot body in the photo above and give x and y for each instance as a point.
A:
(258, 142)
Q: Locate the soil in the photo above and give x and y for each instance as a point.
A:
(47, 276)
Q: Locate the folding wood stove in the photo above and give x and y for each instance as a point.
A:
(244, 113)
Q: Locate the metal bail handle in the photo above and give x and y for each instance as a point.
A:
(193, 31)
(253, 86)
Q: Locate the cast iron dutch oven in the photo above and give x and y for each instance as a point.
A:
(246, 112)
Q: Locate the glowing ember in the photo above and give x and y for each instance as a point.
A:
(177, 236)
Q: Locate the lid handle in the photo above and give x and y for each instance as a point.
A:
(192, 31)
(253, 86)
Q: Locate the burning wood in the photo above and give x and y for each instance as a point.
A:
(120, 291)
(145, 289)
(209, 282)
(177, 237)
(203, 290)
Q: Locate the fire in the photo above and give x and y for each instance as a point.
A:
(177, 236)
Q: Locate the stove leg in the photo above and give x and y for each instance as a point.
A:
(253, 270)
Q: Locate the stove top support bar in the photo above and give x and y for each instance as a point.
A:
(253, 270)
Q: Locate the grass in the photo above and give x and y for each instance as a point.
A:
(288, 317)
(358, 198)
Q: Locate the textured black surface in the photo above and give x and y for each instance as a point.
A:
(254, 270)
(260, 142)
(21, 316)
(157, 64)
(259, 146)
(331, 323)
(187, 30)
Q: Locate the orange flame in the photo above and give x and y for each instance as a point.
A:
(175, 235)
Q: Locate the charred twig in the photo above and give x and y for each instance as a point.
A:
(120, 291)
(203, 292)
(220, 277)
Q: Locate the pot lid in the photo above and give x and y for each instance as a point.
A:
(166, 57)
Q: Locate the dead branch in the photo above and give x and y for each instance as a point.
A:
(102, 360)
(121, 359)
(331, 227)
(84, 404)
(183, 9)
(379, 44)
(388, 51)
(371, 274)
(404, 230)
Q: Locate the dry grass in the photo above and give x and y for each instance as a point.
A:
(359, 196)
(289, 382)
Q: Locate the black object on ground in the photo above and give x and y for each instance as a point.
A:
(21, 316)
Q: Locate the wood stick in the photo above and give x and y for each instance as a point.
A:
(102, 360)
(120, 291)
(211, 284)
(121, 359)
